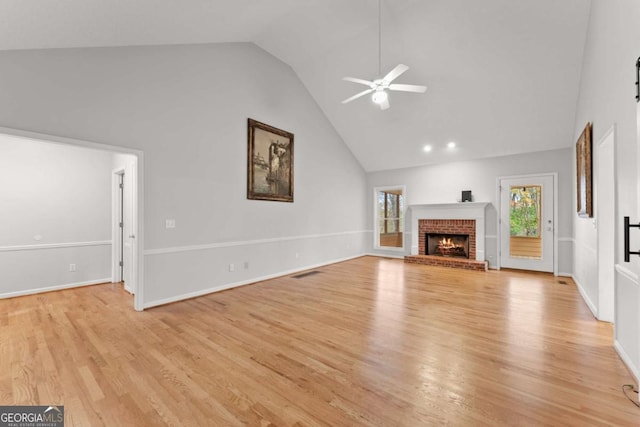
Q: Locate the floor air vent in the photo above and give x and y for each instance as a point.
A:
(562, 282)
(307, 274)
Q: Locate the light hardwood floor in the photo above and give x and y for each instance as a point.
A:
(370, 341)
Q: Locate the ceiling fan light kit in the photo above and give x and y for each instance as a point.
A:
(379, 87)
(379, 96)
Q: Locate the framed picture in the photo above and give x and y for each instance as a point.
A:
(583, 170)
(269, 163)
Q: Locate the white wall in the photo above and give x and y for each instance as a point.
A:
(56, 211)
(443, 184)
(186, 108)
(607, 99)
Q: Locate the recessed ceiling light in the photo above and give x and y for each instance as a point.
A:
(451, 144)
(427, 148)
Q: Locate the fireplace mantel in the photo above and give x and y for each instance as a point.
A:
(467, 210)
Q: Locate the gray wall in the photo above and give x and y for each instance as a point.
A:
(56, 211)
(607, 99)
(186, 108)
(443, 184)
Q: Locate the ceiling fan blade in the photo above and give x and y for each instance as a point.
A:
(384, 104)
(358, 95)
(360, 81)
(408, 88)
(393, 74)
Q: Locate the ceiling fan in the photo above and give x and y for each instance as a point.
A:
(379, 87)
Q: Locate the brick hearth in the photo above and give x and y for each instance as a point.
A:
(467, 264)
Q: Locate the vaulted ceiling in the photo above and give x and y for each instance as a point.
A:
(502, 75)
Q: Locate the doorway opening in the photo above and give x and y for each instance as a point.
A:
(135, 273)
(123, 226)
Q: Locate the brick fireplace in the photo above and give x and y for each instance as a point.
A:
(451, 227)
(454, 222)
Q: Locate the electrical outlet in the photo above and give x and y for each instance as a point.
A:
(246, 265)
(170, 223)
(297, 255)
(232, 267)
(72, 267)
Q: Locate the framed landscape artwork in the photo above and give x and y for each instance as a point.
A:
(269, 163)
(583, 170)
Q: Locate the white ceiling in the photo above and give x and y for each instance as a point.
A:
(503, 75)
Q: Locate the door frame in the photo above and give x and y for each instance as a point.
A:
(137, 271)
(554, 175)
(606, 312)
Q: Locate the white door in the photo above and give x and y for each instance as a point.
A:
(121, 221)
(526, 222)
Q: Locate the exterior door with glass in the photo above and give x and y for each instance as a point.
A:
(527, 223)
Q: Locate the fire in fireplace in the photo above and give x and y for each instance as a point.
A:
(447, 245)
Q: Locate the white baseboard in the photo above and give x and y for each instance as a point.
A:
(630, 275)
(385, 255)
(241, 283)
(627, 361)
(560, 274)
(54, 288)
(585, 297)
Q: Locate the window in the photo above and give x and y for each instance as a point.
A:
(525, 211)
(389, 216)
(524, 221)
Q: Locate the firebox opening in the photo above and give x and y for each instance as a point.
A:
(447, 245)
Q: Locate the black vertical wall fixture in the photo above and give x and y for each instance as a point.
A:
(638, 80)
(627, 227)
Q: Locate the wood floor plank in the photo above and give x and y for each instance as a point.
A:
(371, 342)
